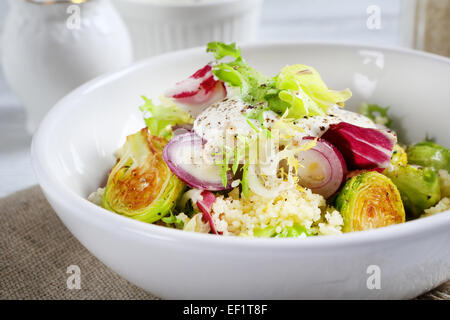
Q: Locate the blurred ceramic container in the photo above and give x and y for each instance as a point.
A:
(52, 47)
(158, 26)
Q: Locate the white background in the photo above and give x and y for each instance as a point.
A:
(334, 20)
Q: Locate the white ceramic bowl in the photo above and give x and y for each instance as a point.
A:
(73, 151)
(160, 26)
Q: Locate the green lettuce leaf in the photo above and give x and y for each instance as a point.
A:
(304, 90)
(286, 232)
(244, 181)
(293, 232)
(298, 88)
(173, 220)
(376, 113)
(160, 118)
(222, 50)
(253, 85)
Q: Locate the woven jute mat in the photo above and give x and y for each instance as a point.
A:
(36, 251)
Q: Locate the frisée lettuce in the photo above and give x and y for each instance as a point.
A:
(161, 118)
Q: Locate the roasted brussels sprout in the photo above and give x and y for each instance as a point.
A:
(418, 186)
(369, 200)
(140, 185)
(429, 154)
(399, 157)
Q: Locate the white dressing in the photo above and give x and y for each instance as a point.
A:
(223, 120)
(316, 126)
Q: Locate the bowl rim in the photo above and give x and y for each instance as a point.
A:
(62, 195)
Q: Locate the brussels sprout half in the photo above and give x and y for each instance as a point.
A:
(429, 154)
(418, 186)
(399, 156)
(141, 185)
(369, 200)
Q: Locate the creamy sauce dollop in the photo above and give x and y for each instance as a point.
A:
(222, 121)
(225, 119)
(316, 126)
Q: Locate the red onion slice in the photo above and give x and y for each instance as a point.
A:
(205, 206)
(322, 168)
(362, 148)
(184, 156)
(181, 129)
(198, 91)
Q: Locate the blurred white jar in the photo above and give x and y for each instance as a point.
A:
(52, 47)
(158, 26)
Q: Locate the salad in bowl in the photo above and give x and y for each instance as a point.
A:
(234, 152)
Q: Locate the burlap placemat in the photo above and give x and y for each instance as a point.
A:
(36, 249)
